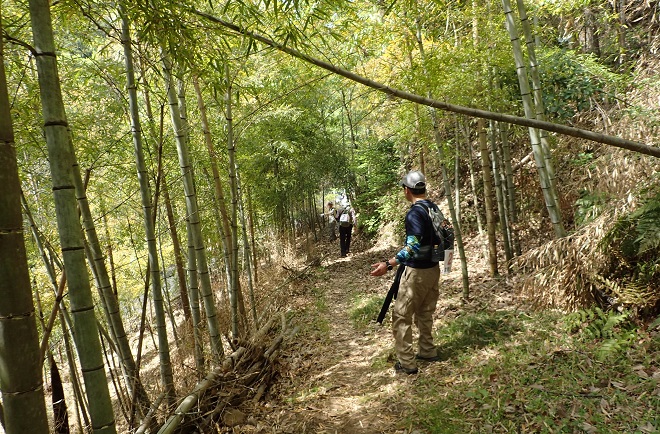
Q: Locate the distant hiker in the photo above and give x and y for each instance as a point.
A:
(449, 241)
(418, 288)
(346, 219)
(332, 221)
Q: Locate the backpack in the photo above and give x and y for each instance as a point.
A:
(345, 218)
(444, 237)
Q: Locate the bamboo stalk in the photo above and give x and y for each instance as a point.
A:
(48, 328)
(146, 422)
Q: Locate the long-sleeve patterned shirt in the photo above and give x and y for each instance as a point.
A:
(419, 235)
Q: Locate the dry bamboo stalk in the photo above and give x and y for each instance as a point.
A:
(234, 360)
(146, 422)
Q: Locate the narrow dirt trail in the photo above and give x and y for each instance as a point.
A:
(338, 376)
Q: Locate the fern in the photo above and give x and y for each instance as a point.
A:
(633, 249)
(637, 233)
(589, 206)
(596, 323)
(655, 324)
(611, 331)
(608, 348)
(648, 227)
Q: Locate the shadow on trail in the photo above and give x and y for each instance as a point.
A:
(474, 331)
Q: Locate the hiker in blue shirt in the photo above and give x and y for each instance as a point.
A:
(419, 287)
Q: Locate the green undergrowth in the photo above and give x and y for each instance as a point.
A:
(315, 315)
(590, 371)
(364, 309)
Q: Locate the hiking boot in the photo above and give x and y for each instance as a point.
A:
(409, 371)
(435, 358)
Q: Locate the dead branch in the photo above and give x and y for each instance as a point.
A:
(243, 375)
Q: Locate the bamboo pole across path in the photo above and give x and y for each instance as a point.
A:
(478, 113)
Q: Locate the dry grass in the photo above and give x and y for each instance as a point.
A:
(564, 273)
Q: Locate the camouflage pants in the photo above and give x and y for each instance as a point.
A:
(417, 298)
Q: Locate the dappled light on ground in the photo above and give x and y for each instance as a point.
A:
(338, 375)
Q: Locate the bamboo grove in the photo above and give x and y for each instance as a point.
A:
(158, 156)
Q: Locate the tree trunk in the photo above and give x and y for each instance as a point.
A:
(473, 180)
(148, 214)
(510, 190)
(21, 384)
(176, 244)
(351, 126)
(457, 174)
(233, 297)
(620, 5)
(252, 243)
(246, 255)
(82, 410)
(62, 160)
(193, 291)
(111, 259)
(193, 212)
(445, 176)
(213, 158)
(110, 303)
(539, 156)
(488, 198)
(539, 107)
(168, 299)
(591, 40)
(223, 219)
(499, 195)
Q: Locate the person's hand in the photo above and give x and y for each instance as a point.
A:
(379, 268)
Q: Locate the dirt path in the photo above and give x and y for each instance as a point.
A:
(338, 378)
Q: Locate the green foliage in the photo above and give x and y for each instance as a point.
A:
(542, 379)
(559, 6)
(286, 157)
(364, 310)
(572, 83)
(377, 166)
(614, 330)
(636, 236)
(583, 159)
(647, 220)
(589, 206)
(594, 323)
(655, 324)
(478, 330)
